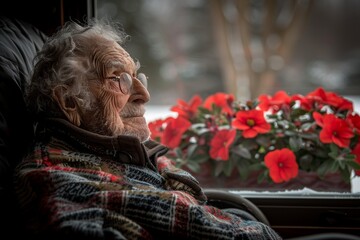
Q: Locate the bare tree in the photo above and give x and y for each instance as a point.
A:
(255, 39)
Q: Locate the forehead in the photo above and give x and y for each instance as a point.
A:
(113, 56)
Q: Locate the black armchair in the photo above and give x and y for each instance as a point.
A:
(19, 41)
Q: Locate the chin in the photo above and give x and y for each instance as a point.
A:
(143, 134)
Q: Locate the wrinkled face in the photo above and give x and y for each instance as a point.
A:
(116, 111)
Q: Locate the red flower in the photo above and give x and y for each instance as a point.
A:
(318, 117)
(330, 98)
(335, 130)
(313, 100)
(275, 102)
(305, 103)
(338, 102)
(318, 94)
(187, 110)
(355, 121)
(222, 100)
(251, 122)
(346, 104)
(220, 144)
(157, 127)
(282, 165)
(356, 152)
(174, 131)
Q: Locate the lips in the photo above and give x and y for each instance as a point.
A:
(133, 116)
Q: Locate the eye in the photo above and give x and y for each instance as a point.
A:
(124, 81)
(114, 78)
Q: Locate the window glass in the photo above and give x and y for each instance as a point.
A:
(243, 48)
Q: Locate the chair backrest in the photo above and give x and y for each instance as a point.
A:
(19, 42)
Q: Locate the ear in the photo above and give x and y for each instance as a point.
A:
(67, 105)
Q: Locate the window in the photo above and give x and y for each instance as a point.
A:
(203, 47)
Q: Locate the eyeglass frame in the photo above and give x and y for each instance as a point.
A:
(125, 89)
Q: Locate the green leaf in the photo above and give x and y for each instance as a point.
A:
(219, 167)
(193, 166)
(263, 140)
(319, 152)
(242, 152)
(333, 155)
(272, 116)
(305, 161)
(290, 133)
(331, 165)
(249, 144)
(306, 126)
(256, 167)
(327, 166)
(199, 158)
(243, 168)
(309, 136)
(341, 163)
(295, 143)
(228, 167)
(350, 157)
(263, 176)
(203, 110)
(191, 149)
(178, 152)
(354, 165)
(295, 113)
(334, 148)
(179, 162)
(346, 175)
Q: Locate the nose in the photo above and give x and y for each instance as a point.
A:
(139, 93)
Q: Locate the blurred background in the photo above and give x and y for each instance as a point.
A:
(247, 47)
(242, 47)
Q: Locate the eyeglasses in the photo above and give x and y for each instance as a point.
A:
(125, 81)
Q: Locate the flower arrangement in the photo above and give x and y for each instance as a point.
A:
(274, 135)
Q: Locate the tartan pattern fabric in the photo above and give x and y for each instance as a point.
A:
(74, 186)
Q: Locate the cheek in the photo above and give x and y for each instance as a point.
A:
(109, 98)
(112, 103)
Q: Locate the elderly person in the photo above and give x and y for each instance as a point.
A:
(93, 172)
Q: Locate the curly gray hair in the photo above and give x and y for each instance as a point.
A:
(66, 60)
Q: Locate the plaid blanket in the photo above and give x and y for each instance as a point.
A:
(80, 185)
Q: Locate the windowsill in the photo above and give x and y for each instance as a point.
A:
(306, 192)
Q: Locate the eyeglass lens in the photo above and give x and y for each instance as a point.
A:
(143, 79)
(125, 81)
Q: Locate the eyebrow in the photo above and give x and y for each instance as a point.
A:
(137, 64)
(120, 66)
(114, 64)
